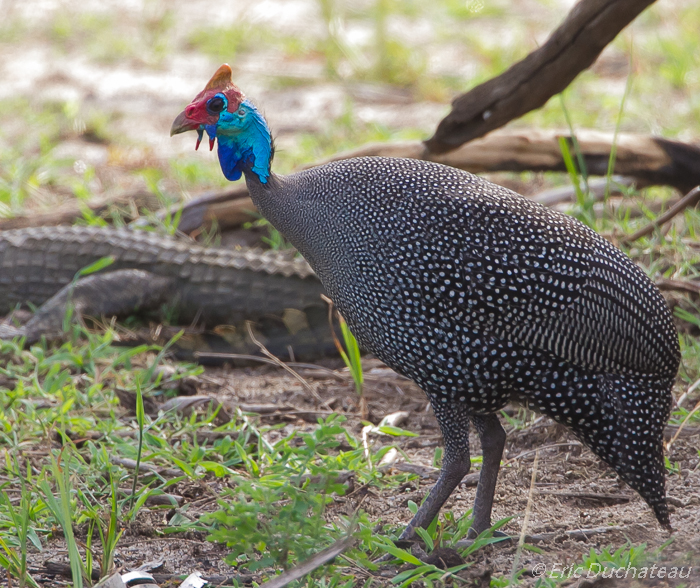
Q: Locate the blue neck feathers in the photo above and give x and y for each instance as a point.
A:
(245, 144)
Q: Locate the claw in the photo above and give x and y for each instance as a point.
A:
(200, 132)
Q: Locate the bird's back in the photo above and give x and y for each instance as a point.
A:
(411, 249)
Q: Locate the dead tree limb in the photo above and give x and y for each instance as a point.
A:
(226, 208)
(527, 85)
(691, 286)
(647, 160)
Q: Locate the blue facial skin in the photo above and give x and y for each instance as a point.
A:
(244, 141)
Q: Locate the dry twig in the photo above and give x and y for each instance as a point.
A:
(680, 428)
(689, 200)
(284, 366)
(608, 498)
(689, 391)
(685, 285)
(321, 558)
(575, 535)
(526, 521)
(131, 465)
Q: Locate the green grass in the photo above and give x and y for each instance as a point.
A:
(13, 557)
(342, 133)
(274, 515)
(68, 487)
(110, 39)
(271, 514)
(350, 352)
(226, 43)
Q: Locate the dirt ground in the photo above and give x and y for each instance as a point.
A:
(574, 494)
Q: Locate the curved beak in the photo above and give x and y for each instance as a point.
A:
(183, 123)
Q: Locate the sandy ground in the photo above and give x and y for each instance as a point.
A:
(573, 490)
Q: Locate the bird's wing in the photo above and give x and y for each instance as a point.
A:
(553, 285)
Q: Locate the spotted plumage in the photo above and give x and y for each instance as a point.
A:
(481, 297)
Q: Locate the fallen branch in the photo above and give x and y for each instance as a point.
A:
(648, 160)
(683, 285)
(527, 85)
(641, 159)
(225, 208)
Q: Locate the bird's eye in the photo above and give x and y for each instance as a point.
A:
(241, 112)
(215, 105)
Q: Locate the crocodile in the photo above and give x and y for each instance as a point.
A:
(148, 271)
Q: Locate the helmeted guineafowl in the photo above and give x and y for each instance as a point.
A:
(477, 294)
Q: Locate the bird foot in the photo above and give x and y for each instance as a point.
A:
(413, 546)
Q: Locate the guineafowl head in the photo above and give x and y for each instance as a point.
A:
(223, 112)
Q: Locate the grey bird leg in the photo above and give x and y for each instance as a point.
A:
(450, 476)
(493, 440)
(455, 465)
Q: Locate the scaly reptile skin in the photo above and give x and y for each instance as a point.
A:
(214, 286)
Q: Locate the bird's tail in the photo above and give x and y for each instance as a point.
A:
(640, 408)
